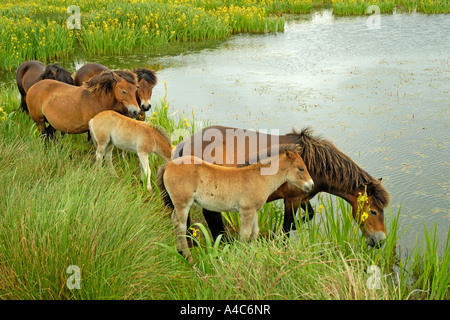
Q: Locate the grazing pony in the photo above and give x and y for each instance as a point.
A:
(69, 108)
(32, 71)
(182, 182)
(108, 129)
(146, 81)
(332, 171)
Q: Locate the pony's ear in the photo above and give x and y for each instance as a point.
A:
(380, 179)
(290, 155)
(116, 76)
(371, 186)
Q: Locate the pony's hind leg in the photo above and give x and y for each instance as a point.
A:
(50, 132)
(145, 169)
(108, 156)
(99, 152)
(179, 219)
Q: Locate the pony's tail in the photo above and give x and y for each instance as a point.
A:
(162, 188)
(19, 75)
(91, 134)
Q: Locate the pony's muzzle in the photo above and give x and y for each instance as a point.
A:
(145, 105)
(308, 186)
(376, 239)
(133, 111)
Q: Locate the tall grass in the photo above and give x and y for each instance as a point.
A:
(38, 30)
(57, 211)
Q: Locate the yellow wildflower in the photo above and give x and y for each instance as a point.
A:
(364, 216)
(320, 209)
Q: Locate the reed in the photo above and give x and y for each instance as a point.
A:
(38, 30)
(57, 211)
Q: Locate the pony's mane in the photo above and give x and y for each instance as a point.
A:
(105, 82)
(163, 133)
(323, 158)
(56, 72)
(146, 74)
(289, 147)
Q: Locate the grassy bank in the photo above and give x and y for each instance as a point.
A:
(38, 29)
(57, 211)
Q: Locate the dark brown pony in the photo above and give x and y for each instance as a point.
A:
(331, 170)
(146, 81)
(69, 108)
(32, 71)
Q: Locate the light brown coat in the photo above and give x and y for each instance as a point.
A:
(109, 128)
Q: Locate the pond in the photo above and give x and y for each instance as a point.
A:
(380, 94)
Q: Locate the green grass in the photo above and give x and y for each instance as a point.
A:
(57, 211)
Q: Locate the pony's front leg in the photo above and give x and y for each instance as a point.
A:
(145, 169)
(179, 219)
(290, 208)
(249, 224)
(307, 207)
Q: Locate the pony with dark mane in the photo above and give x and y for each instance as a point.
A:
(146, 79)
(32, 71)
(331, 170)
(69, 108)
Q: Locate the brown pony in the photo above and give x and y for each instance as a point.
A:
(69, 108)
(32, 71)
(331, 170)
(189, 180)
(146, 81)
(108, 129)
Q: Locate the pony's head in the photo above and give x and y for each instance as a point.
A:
(330, 167)
(296, 171)
(56, 72)
(368, 210)
(146, 80)
(122, 84)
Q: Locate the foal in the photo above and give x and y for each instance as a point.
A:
(110, 128)
(217, 188)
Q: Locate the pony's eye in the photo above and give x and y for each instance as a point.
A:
(373, 212)
(124, 92)
(301, 169)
